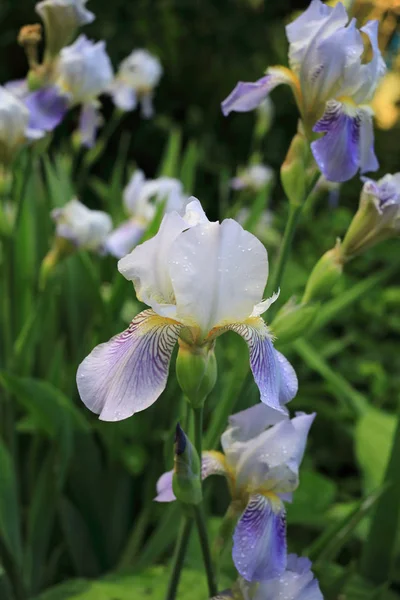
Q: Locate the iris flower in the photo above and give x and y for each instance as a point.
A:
(83, 227)
(14, 127)
(254, 177)
(200, 279)
(332, 87)
(262, 453)
(137, 77)
(377, 218)
(141, 199)
(82, 73)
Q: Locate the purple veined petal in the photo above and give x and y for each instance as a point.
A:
(124, 238)
(248, 95)
(273, 375)
(259, 541)
(47, 108)
(123, 95)
(89, 120)
(337, 153)
(164, 488)
(127, 374)
(212, 463)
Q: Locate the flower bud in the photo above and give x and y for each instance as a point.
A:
(293, 170)
(196, 370)
(186, 481)
(61, 21)
(293, 320)
(324, 275)
(377, 217)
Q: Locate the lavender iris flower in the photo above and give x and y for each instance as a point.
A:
(262, 453)
(83, 72)
(137, 77)
(332, 87)
(141, 199)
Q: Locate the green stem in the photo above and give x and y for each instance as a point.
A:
(205, 548)
(179, 556)
(198, 429)
(199, 514)
(291, 224)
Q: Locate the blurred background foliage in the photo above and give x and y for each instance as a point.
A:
(76, 498)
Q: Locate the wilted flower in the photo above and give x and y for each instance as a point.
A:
(331, 85)
(255, 177)
(61, 19)
(14, 127)
(141, 200)
(296, 583)
(83, 72)
(262, 453)
(137, 77)
(83, 227)
(200, 279)
(377, 218)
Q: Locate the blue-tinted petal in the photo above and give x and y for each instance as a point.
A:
(47, 108)
(296, 583)
(124, 238)
(368, 160)
(164, 488)
(247, 95)
(128, 373)
(259, 541)
(272, 373)
(123, 95)
(88, 123)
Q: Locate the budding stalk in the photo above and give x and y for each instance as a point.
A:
(186, 481)
(293, 170)
(324, 275)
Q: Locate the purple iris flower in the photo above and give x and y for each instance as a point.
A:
(262, 451)
(332, 87)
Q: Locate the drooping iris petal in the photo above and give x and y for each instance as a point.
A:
(218, 274)
(248, 95)
(47, 108)
(128, 373)
(164, 488)
(124, 97)
(124, 238)
(89, 121)
(212, 463)
(259, 541)
(274, 376)
(347, 144)
(146, 105)
(133, 190)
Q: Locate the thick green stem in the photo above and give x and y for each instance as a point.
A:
(179, 556)
(205, 548)
(198, 429)
(294, 215)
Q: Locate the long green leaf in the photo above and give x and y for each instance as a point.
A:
(10, 525)
(380, 550)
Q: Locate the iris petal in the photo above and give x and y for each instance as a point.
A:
(272, 373)
(259, 541)
(347, 144)
(128, 373)
(47, 108)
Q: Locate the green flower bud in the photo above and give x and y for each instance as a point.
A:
(293, 320)
(293, 170)
(196, 370)
(324, 275)
(186, 482)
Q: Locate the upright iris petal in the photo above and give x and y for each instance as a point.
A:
(262, 453)
(332, 86)
(207, 278)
